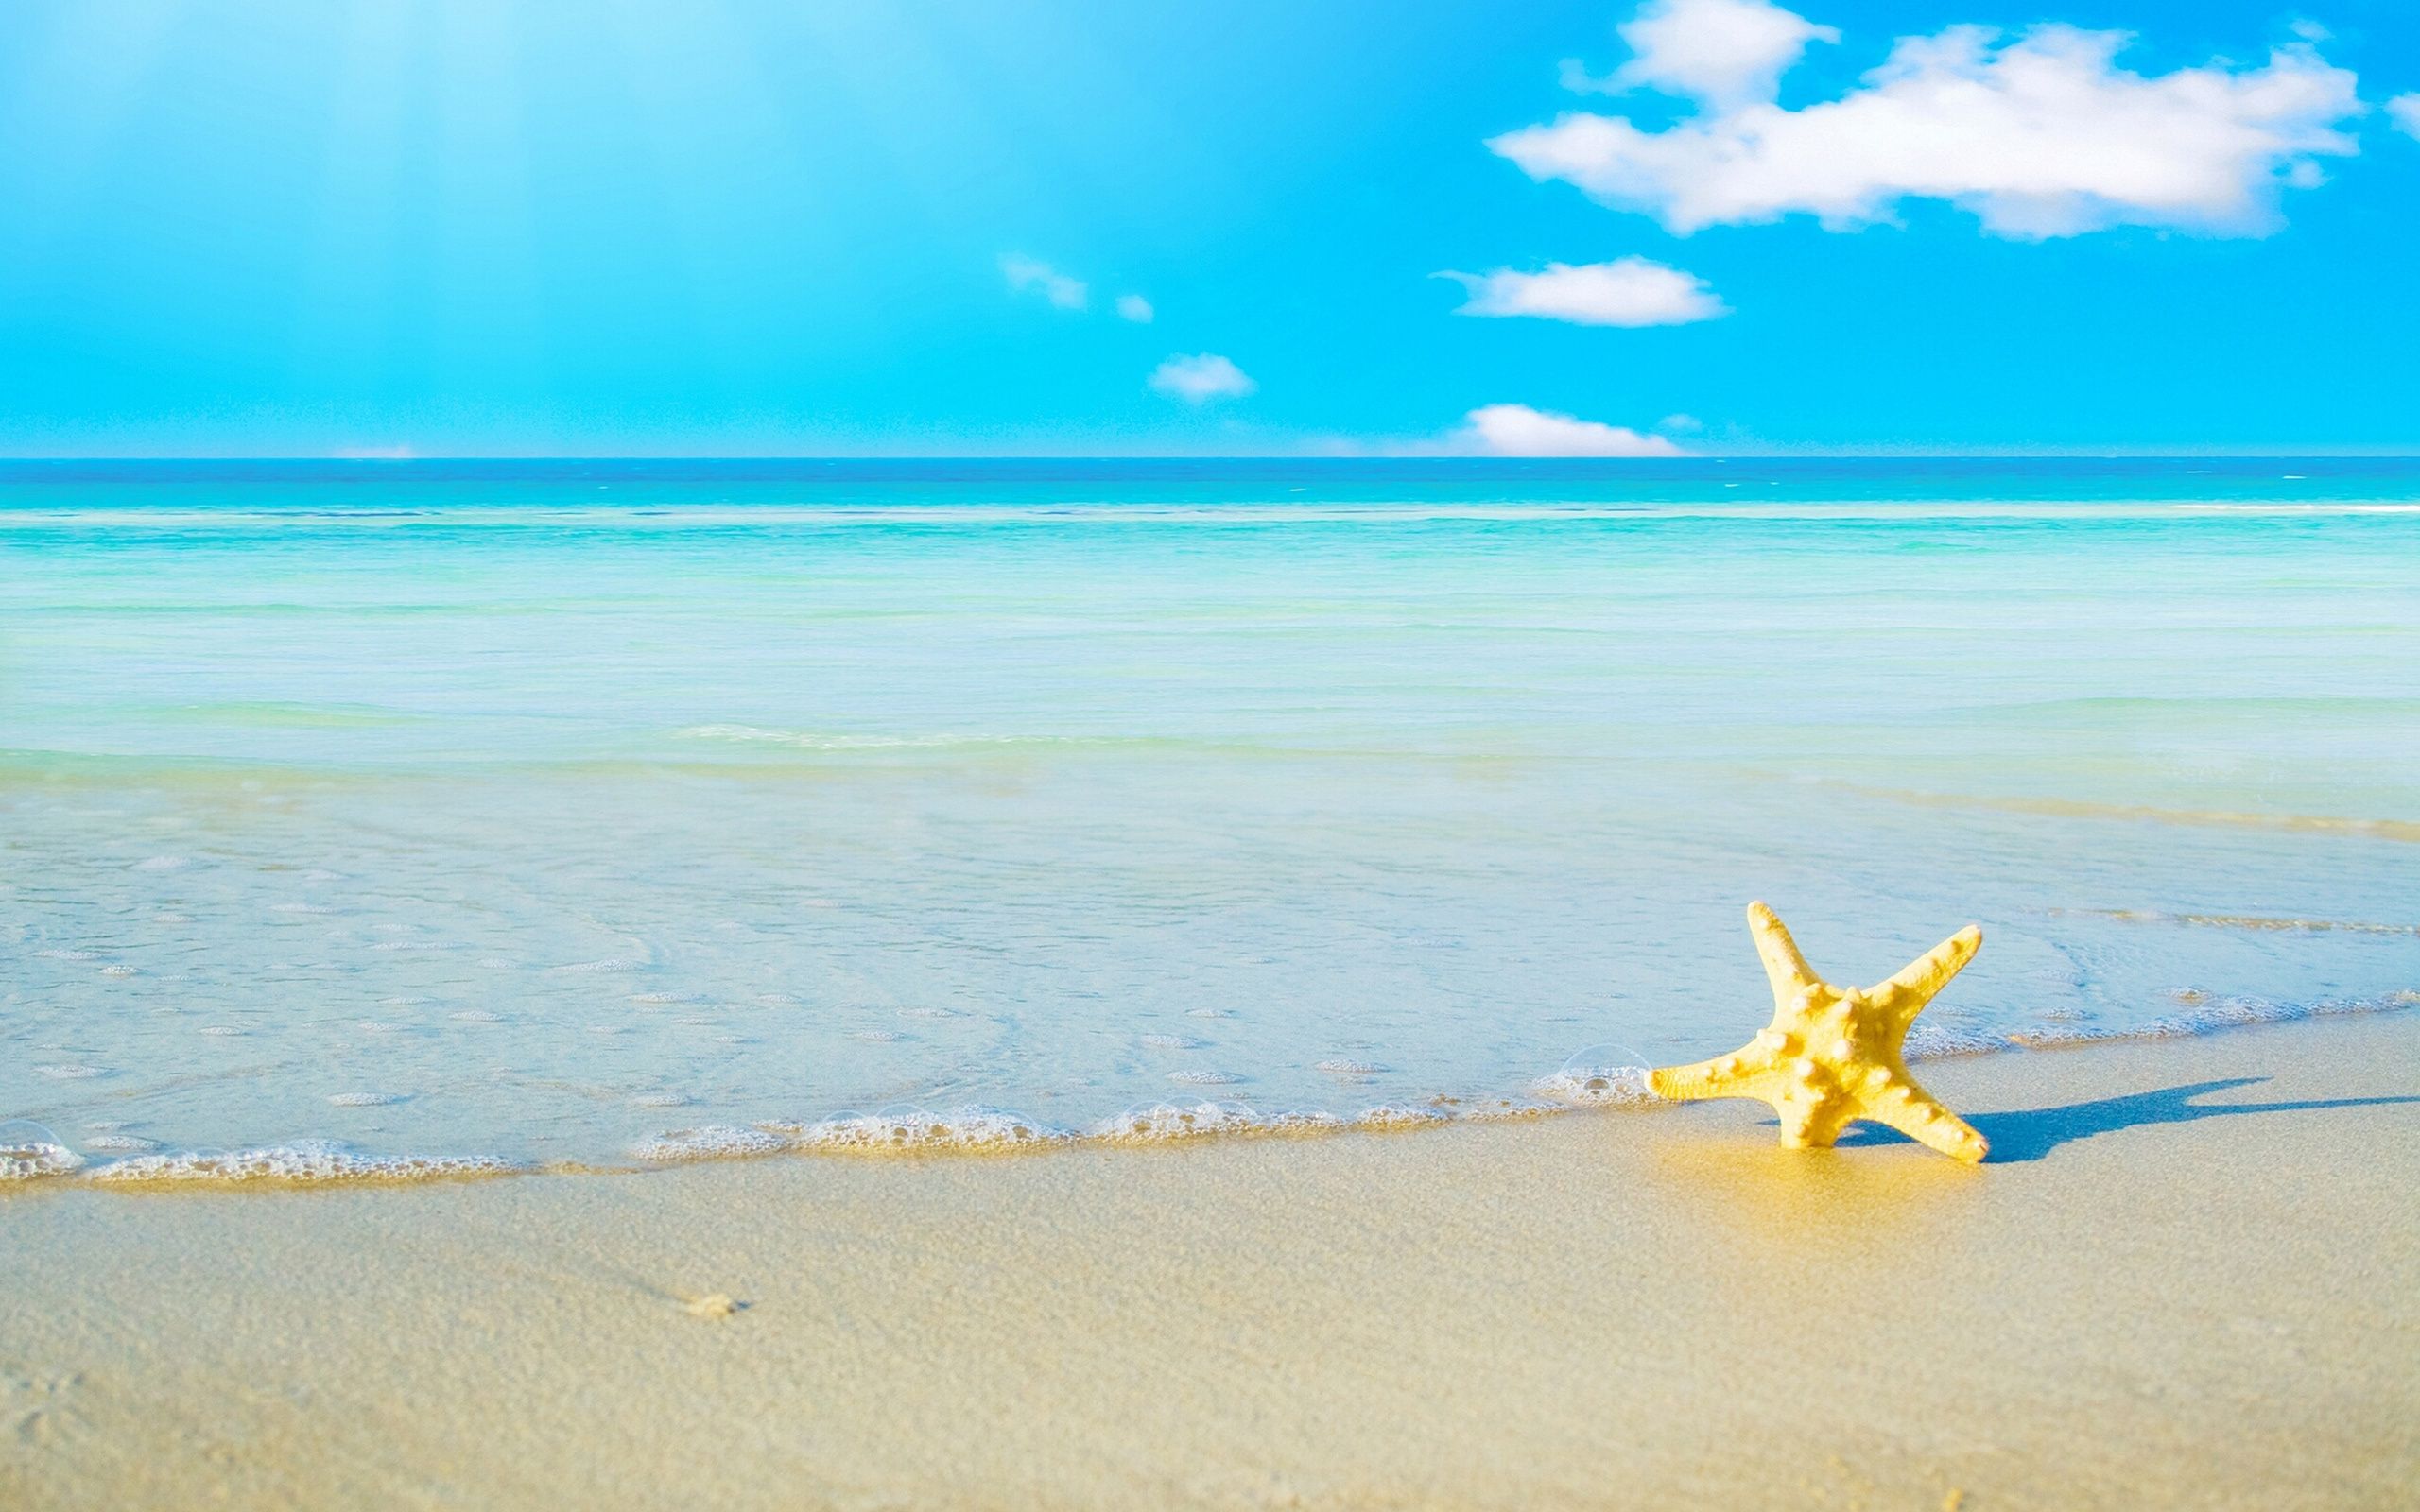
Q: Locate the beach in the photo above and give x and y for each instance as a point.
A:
(2183, 1279)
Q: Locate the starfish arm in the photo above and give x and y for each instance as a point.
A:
(1785, 967)
(1927, 1123)
(1915, 983)
(1709, 1078)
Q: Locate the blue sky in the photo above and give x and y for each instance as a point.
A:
(743, 227)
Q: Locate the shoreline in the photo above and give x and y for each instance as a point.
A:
(985, 1132)
(2183, 1279)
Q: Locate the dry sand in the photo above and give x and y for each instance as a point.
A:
(2175, 1286)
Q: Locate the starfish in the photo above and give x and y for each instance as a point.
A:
(1831, 1054)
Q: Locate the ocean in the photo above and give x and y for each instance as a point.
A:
(410, 819)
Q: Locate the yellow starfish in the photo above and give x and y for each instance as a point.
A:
(1831, 1054)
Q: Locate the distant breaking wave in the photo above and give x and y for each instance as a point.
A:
(810, 740)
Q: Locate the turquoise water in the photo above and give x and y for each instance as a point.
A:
(557, 813)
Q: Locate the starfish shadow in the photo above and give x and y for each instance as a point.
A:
(2034, 1132)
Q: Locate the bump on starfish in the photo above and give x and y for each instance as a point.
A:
(1832, 1055)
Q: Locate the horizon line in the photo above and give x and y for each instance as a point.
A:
(371, 461)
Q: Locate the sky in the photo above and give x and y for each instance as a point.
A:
(664, 227)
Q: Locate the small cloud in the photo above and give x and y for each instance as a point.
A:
(1681, 424)
(2309, 30)
(1135, 308)
(1721, 53)
(374, 454)
(1200, 378)
(1630, 291)
(2405, 110)
(1517, 430)
(1027, 273)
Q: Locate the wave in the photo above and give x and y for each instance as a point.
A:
(1929, 1043)
(2402, 829)
(29, 1152)
(2252, 922)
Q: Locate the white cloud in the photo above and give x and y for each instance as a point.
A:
(2405, 109)
(2040, 136)
(1517, 430)
(1135, 308)
(1027, 273)
(1720, 52)
(1200, 378)
(1629, 291)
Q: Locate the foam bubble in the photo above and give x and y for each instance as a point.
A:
(660, 1100)
(61, 954)
(366, 1099)
(878, 1037)
(299, 908)
(664, 997)
(119, 969)
(71, 1072)
(711, 1142)
(971, 1129)
(697, 1023)
(475, 1016)
(1580, 1082)
(1490, 1108)
(304, 1163)
(377, 1026)
(1349, 1068)
(29, 1150)
(1199, 1077)
(608, 967)
(1169, 1041)
(223, 1031)
(1156, 1123)
(1299, 1120)
(120, 1143)
(1399, 1116)
(160, 863)
(930, 1013)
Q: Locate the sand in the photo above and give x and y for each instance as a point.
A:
(2189, 1277)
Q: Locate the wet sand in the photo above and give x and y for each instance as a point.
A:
(2190, 1276)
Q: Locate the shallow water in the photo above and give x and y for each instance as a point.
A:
(541, 814)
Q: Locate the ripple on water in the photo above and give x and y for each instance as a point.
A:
(120, 1144)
